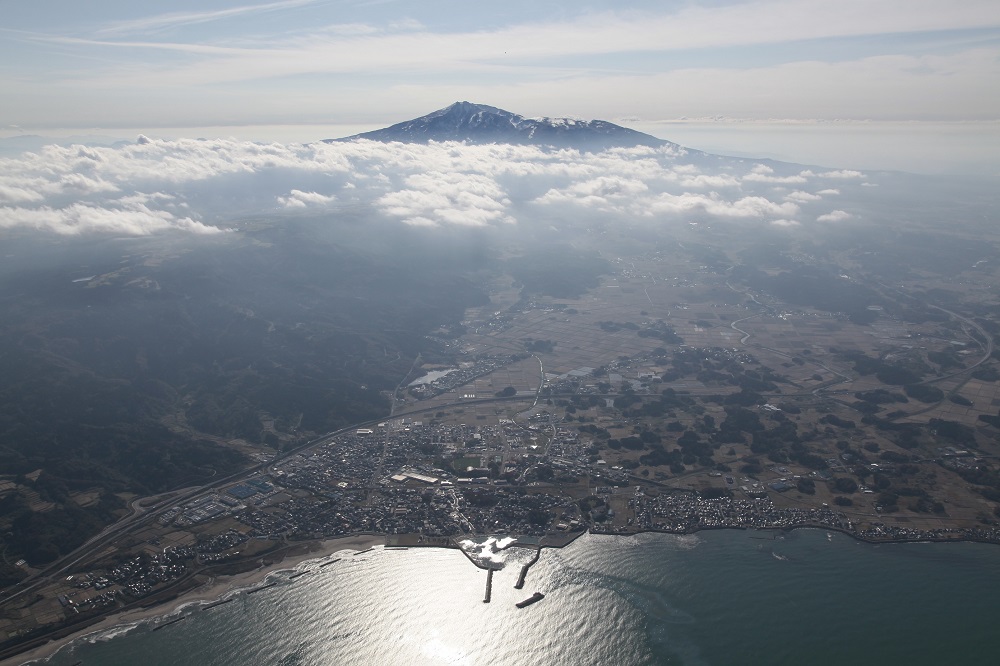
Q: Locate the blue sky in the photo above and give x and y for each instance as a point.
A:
(117, 63)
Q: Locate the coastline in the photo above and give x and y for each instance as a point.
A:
(604, 574)
(212, 590)
(217, 587)
(861, 538)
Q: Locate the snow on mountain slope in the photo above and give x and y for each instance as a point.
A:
(479, 123)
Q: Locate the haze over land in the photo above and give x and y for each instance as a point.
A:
(217, 295)
(490, 319)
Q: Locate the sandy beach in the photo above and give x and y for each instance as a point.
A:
(213, 589)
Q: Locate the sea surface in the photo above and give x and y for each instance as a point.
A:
(720, 597)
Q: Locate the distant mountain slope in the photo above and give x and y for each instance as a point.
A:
(478, 123)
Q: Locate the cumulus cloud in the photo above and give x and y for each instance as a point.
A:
(607, 193)
(201, 186)
(802, 197)
(132, 220)
(761, 173)
(842, 174)
(709, 181)
(300, 199)
(435, 198)
(760, 176)
(714, 204)
(16, 192)
(834, 216)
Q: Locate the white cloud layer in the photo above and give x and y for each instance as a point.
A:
(461, 199)
(203, 186)
(835, 216)
(842, 174)
(300, 199)
(75, 219)
(802, 197)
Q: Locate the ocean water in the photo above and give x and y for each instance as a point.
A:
(723, 597)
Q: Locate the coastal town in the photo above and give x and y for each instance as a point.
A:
(545, 420)
(387, 480)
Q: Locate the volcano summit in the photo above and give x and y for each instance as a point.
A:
(481, 124)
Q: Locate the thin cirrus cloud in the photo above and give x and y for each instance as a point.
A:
(691, 27)
(521, 46)
(204, 186)
(302, 62)
(179, 19)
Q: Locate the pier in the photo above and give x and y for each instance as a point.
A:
(489, 586)
(524, 570)
(299, 573)
(326, 564)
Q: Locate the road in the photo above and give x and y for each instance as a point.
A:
(139, 519)
(141, 515)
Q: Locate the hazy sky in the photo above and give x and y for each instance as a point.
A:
(121, 63)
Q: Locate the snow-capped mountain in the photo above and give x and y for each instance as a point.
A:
(478, 123)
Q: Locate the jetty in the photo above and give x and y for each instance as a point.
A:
(326, 564)
(263, 587)
(299, 573)
(524, 570)
(167, 624)
(489, 586)
(218, 603)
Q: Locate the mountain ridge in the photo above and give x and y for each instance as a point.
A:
(483, 124)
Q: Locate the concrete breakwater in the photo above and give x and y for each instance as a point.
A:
(489, 586)
(524, 570)
(167, 624)
(262, 587)
(218, 603)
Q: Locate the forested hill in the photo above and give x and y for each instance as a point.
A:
(127, 366)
